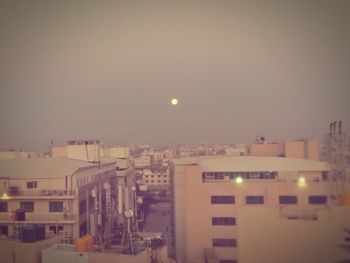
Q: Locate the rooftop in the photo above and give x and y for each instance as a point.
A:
(44, 167)
(252, 163)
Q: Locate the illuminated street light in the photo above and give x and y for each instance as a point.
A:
(301, 181)
(4, 196)
(239, 180)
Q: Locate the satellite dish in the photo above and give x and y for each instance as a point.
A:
(128, 213)
(133, 188)
(93, 193)
(106, 186)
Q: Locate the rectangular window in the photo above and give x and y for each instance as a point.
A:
(317, 200)
(224, 242)
(223, 199)
(288, 199)
(3, 207)
(223, 221)
(254, 199)
(56, 206)
(55, 229)
(228, 261)
(32, 184)
(27, 206)
(82, 206)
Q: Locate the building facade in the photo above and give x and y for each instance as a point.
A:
(211, 193)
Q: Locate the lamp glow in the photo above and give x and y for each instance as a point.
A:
(5, 196)
(239, 180)
(301, 181)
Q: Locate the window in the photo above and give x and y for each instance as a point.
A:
(224, 242)
(223, 199)
(146, 181)
(4, 230)
(55, 229)
(56, 206)
(159, 181)
(82, 206)
(27, 206)
(254, 199)
(3, 207)
(223, 221)
(228, 261)
(317, 200)
(152, 181)
(288, 199)
(32, 184)
(165, 181)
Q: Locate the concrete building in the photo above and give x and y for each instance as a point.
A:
(56, 192)
(158, 179)
(301, 149)
(214, 201)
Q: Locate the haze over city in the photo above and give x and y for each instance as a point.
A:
(108, 71)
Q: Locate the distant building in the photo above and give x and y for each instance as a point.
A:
(214, 215)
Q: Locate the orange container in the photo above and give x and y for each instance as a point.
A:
(81, 245)
(90, 242)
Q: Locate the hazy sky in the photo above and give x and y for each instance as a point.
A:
(107, 70)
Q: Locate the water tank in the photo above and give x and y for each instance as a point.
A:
(40, 232)
(20, 215)
(81, 245)
(28, 234)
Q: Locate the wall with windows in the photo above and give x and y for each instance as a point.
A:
(290, 241)
(208, 210)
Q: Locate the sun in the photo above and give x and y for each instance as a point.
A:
(174, 101)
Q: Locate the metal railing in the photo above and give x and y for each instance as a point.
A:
(39, 192)
(39, 217)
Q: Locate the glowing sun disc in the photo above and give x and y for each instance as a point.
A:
(174, 101)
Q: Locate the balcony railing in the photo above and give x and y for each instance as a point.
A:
(14, 191)
(39, 217)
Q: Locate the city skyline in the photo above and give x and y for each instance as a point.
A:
(109, 71)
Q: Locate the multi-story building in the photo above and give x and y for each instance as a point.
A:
(158, 179)
(214, 196)
(57, 192)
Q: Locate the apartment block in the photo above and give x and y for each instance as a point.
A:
(213, 196)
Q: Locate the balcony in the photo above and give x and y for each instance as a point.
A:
(61, 218)
(17, 193)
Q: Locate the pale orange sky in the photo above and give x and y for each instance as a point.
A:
(86, 69)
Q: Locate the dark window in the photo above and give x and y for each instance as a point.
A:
(254, 199)
(228, 261)
(317, 200)
(56, 206)
(224, 242)
(221, 221)
(4, 230)
(3, 207)
(288, 199)
(32, 184)
(82, 206)
(223, 199)
(55, 229)
(27, 206)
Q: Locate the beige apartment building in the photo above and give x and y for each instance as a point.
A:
(220, 203)
(56, 192)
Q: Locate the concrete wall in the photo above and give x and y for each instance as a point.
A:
(266, 237)
(295, 149)
(142, 257)
(270, 149)
(18, 252)
(59, 151)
